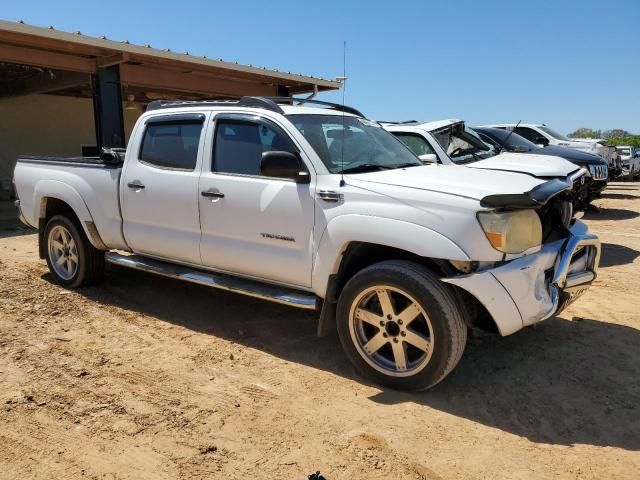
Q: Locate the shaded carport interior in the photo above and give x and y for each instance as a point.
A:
(65, 93)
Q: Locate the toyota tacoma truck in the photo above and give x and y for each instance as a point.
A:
(451, 142)
(317, 208)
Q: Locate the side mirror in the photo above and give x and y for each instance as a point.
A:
(283, 164)
(429, 158)
(542, 141)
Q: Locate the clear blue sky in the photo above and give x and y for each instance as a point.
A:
(566, 63)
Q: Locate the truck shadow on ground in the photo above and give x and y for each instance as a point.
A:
(610, 214)
(614, 254)
(620, 196)
(563, 382)
(11, 230)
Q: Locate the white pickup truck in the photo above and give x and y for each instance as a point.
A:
(317, 208)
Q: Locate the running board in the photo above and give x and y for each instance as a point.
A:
(252, 288)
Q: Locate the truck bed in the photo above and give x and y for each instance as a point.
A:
(88, 182)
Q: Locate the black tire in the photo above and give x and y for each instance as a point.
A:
(448, 334)
(90, 265)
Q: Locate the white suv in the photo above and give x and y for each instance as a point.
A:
(630, 160)
(542, 135)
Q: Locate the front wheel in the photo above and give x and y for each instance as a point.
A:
(70, 256)
(400, 325)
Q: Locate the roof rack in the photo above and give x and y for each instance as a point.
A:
(257, 102)
(268, 103)
(405, 122)
(302, 101)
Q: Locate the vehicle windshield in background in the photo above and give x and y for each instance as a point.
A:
(463, 145)
(554, 134)
(515, 143)
(357, 145)
(625, 152)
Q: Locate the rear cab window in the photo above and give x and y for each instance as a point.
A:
(172, 143)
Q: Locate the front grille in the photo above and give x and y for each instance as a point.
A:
(599, 172)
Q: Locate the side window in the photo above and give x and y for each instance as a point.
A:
(239, 145)
(417, 144)
(171, 145)
(528, 133)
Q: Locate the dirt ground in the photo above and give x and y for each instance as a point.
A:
(148, 378)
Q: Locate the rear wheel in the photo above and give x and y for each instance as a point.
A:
(70, 256)
(400, 325)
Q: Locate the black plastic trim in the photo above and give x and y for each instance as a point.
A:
(302, 101)
(536, 197)
(178, 118)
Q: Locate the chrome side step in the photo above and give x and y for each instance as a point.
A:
(252, 288)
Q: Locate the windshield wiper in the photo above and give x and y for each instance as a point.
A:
(408, 164)
(366, 167)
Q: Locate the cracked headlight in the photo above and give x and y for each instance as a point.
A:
(512, 232)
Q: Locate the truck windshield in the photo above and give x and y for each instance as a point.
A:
(355, 146)
(625, 152)
(554, 134)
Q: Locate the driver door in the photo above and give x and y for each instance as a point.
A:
(253, 225)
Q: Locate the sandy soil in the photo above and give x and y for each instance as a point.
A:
(145, 377)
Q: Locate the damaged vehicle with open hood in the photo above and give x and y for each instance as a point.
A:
(314, 206)
(451, 142)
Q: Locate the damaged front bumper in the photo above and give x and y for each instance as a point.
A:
(534, 287)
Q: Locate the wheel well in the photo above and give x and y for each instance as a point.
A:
(54, 206)
(49, 208)
(360, 255)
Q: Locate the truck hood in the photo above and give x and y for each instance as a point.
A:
(578, 157)
(539, 166)
(462, 181)
(596, 146)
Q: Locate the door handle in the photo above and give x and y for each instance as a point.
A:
(212, 194)
(135, 184)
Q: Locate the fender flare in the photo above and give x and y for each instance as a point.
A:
(65, 193)
(345, 229)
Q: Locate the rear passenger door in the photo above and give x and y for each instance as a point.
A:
(159, 189)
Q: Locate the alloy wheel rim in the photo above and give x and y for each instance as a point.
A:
(63, 252)
(391, 331)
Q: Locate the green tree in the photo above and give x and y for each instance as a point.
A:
(615, 133)
(586, 133)
(633, 140)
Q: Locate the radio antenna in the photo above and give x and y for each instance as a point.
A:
(343, 79)
(506, 139)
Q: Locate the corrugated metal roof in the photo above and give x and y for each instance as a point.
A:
(114, 46)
